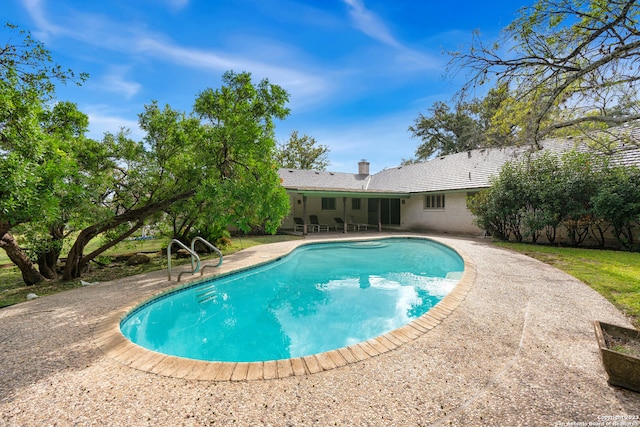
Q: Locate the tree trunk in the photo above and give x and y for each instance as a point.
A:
(184, 236)
(76, 261)
(72, 267)
(47, 264)
(598, 232)
(84, 260)
(181, 231)
(49, 253)
(30, 274)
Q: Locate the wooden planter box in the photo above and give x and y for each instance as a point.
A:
(617, 345)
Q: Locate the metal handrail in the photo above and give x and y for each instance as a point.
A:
(193, 243)
(194, 268)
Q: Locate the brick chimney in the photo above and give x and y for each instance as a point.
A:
(363, 167)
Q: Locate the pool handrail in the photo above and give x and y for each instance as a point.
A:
(216, 250)
(194, 268)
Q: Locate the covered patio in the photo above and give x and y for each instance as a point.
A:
(372, 211)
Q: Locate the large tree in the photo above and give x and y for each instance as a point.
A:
(574, 63)
(53, 180)
(145, 178)
(445, 132)
(476, 123)
(303, 152)
(35, 160)
(218, 162)
(84, 174)
(238, 146)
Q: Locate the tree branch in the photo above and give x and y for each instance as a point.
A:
(615, 121)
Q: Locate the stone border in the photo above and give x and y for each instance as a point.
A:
(115, 345)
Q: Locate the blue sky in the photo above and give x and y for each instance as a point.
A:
(358, 71)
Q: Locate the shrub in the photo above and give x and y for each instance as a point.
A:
(580, 192)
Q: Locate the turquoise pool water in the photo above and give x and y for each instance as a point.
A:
(321, 297)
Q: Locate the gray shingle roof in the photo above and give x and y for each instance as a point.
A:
(318, 180)
(461, 171)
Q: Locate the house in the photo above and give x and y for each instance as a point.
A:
(429, 196)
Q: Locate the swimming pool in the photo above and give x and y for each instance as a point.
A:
(320, 297)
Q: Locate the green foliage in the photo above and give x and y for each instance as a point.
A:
(38, 165)
(217, 163)
(216, 233)
(302, 153)
(234, 153)
(571, 63)
(489, 122)
(619, 203)
(33, 163)
(214, 166)
(498, 208)
(488, 216)
(239, 142)
(30, 62)
(446, 132)
(580, 192)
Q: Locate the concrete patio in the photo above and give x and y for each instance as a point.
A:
(519, 349)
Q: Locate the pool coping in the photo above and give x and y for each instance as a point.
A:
(108, 337)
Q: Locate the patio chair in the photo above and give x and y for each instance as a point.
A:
(313, 219)
(299, 224)
(358, 225)
(340, 223)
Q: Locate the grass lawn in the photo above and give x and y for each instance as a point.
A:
(614, 274)
(13, 289)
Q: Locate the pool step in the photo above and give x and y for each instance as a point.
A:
(366, 245)
(207, 294)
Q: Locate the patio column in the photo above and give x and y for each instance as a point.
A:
(344, 214)
(304, 215)
(379, 215)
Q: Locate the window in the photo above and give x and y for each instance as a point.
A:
(328, 203)
(434, 201)
(355, 204)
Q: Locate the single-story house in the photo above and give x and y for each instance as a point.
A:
(429, 196)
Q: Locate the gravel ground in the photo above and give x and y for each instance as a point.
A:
(518, 350)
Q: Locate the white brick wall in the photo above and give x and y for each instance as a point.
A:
(454, 218)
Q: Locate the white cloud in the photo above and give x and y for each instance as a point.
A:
(137, 42)
(300, 83)
(37, 13)
(115, 81)
(367, 22)
(371, 25)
